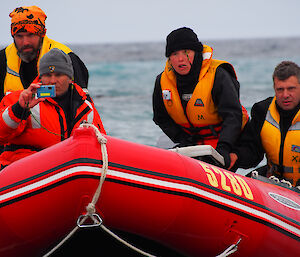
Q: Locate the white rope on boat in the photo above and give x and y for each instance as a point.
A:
(126, 243)
(102, 140)
(230, 250)
(275, 179)
(91, 209)
(254, 174)
(61, 242)
(288, 183)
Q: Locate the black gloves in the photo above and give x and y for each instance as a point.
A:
(186, 141)
(224, 150)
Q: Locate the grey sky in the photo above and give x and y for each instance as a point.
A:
(98, 21)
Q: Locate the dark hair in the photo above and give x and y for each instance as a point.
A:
(286, 69)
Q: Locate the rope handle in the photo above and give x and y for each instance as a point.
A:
(102, 140)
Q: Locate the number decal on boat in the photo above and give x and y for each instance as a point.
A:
(227, 181)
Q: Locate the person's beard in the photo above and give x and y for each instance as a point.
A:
(28, 56)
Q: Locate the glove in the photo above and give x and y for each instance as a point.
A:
(186, 141)
(224, 150)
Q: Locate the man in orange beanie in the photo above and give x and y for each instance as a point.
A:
(28, 19)
(19, 61)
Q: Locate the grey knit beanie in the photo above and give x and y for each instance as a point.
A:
(56, 61)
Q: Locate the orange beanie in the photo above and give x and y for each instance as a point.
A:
(28, 19)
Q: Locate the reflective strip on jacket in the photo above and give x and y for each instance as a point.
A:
(12, 80)
(271, 141)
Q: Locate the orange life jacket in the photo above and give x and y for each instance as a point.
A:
(201, 115)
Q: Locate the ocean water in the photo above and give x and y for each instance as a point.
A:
(122, 78)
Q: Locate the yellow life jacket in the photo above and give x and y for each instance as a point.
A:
(12, 80)
(271, 141)
(201, 112)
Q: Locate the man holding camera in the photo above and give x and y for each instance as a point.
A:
(20, 60)
(29, 124)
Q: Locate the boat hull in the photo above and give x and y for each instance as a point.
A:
(187, 205)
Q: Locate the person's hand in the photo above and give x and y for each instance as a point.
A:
(224, 151)
(186, 141)
(233, 159)
(27, 97)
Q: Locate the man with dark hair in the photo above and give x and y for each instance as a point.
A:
(29, 124)
(274, 129)
(196, 98)
(20, 60)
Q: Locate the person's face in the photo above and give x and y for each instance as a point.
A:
(182, 61)
(61, 82)
(287, 92)
(28, 45)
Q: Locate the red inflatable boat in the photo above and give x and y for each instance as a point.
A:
(187, 205)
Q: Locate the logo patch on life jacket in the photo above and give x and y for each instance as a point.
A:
(199, 103)
(52, 68)
(296, 148)
(295, 159)
(201, 117)
(166, 94)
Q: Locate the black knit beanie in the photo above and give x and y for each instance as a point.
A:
(182, 38)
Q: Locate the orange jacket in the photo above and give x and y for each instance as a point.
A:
(201, 116)
(24, 133)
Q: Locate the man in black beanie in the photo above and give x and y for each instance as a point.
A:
(196, 98)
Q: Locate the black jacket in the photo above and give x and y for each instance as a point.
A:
(249, 148)
(225, 95)
(28, 72)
